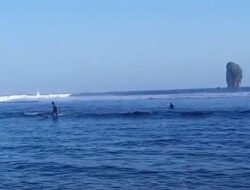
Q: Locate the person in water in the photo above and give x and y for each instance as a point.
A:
(171, 106)
(54, 112)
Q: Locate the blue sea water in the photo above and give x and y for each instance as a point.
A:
(126, 144)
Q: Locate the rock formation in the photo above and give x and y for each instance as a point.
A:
(234, 75)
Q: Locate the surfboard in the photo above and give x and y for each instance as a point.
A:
(53, 116)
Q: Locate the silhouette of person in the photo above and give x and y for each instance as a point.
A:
(171, 106)
(54, 112)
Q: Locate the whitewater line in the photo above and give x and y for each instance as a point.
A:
(32, 97)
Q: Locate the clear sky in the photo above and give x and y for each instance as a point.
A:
(116, 45)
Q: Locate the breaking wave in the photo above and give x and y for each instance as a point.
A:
(124, 96)
(38, 96)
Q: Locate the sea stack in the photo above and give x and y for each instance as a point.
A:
(234, 75)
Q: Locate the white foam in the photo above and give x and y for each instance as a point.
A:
(38, 96)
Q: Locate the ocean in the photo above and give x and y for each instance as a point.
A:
(126, 141)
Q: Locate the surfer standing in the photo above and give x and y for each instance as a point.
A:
(54, 112)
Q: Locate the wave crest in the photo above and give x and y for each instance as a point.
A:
(32, 97)
(194, 114)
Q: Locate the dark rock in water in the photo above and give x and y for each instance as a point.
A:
(234, 75)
